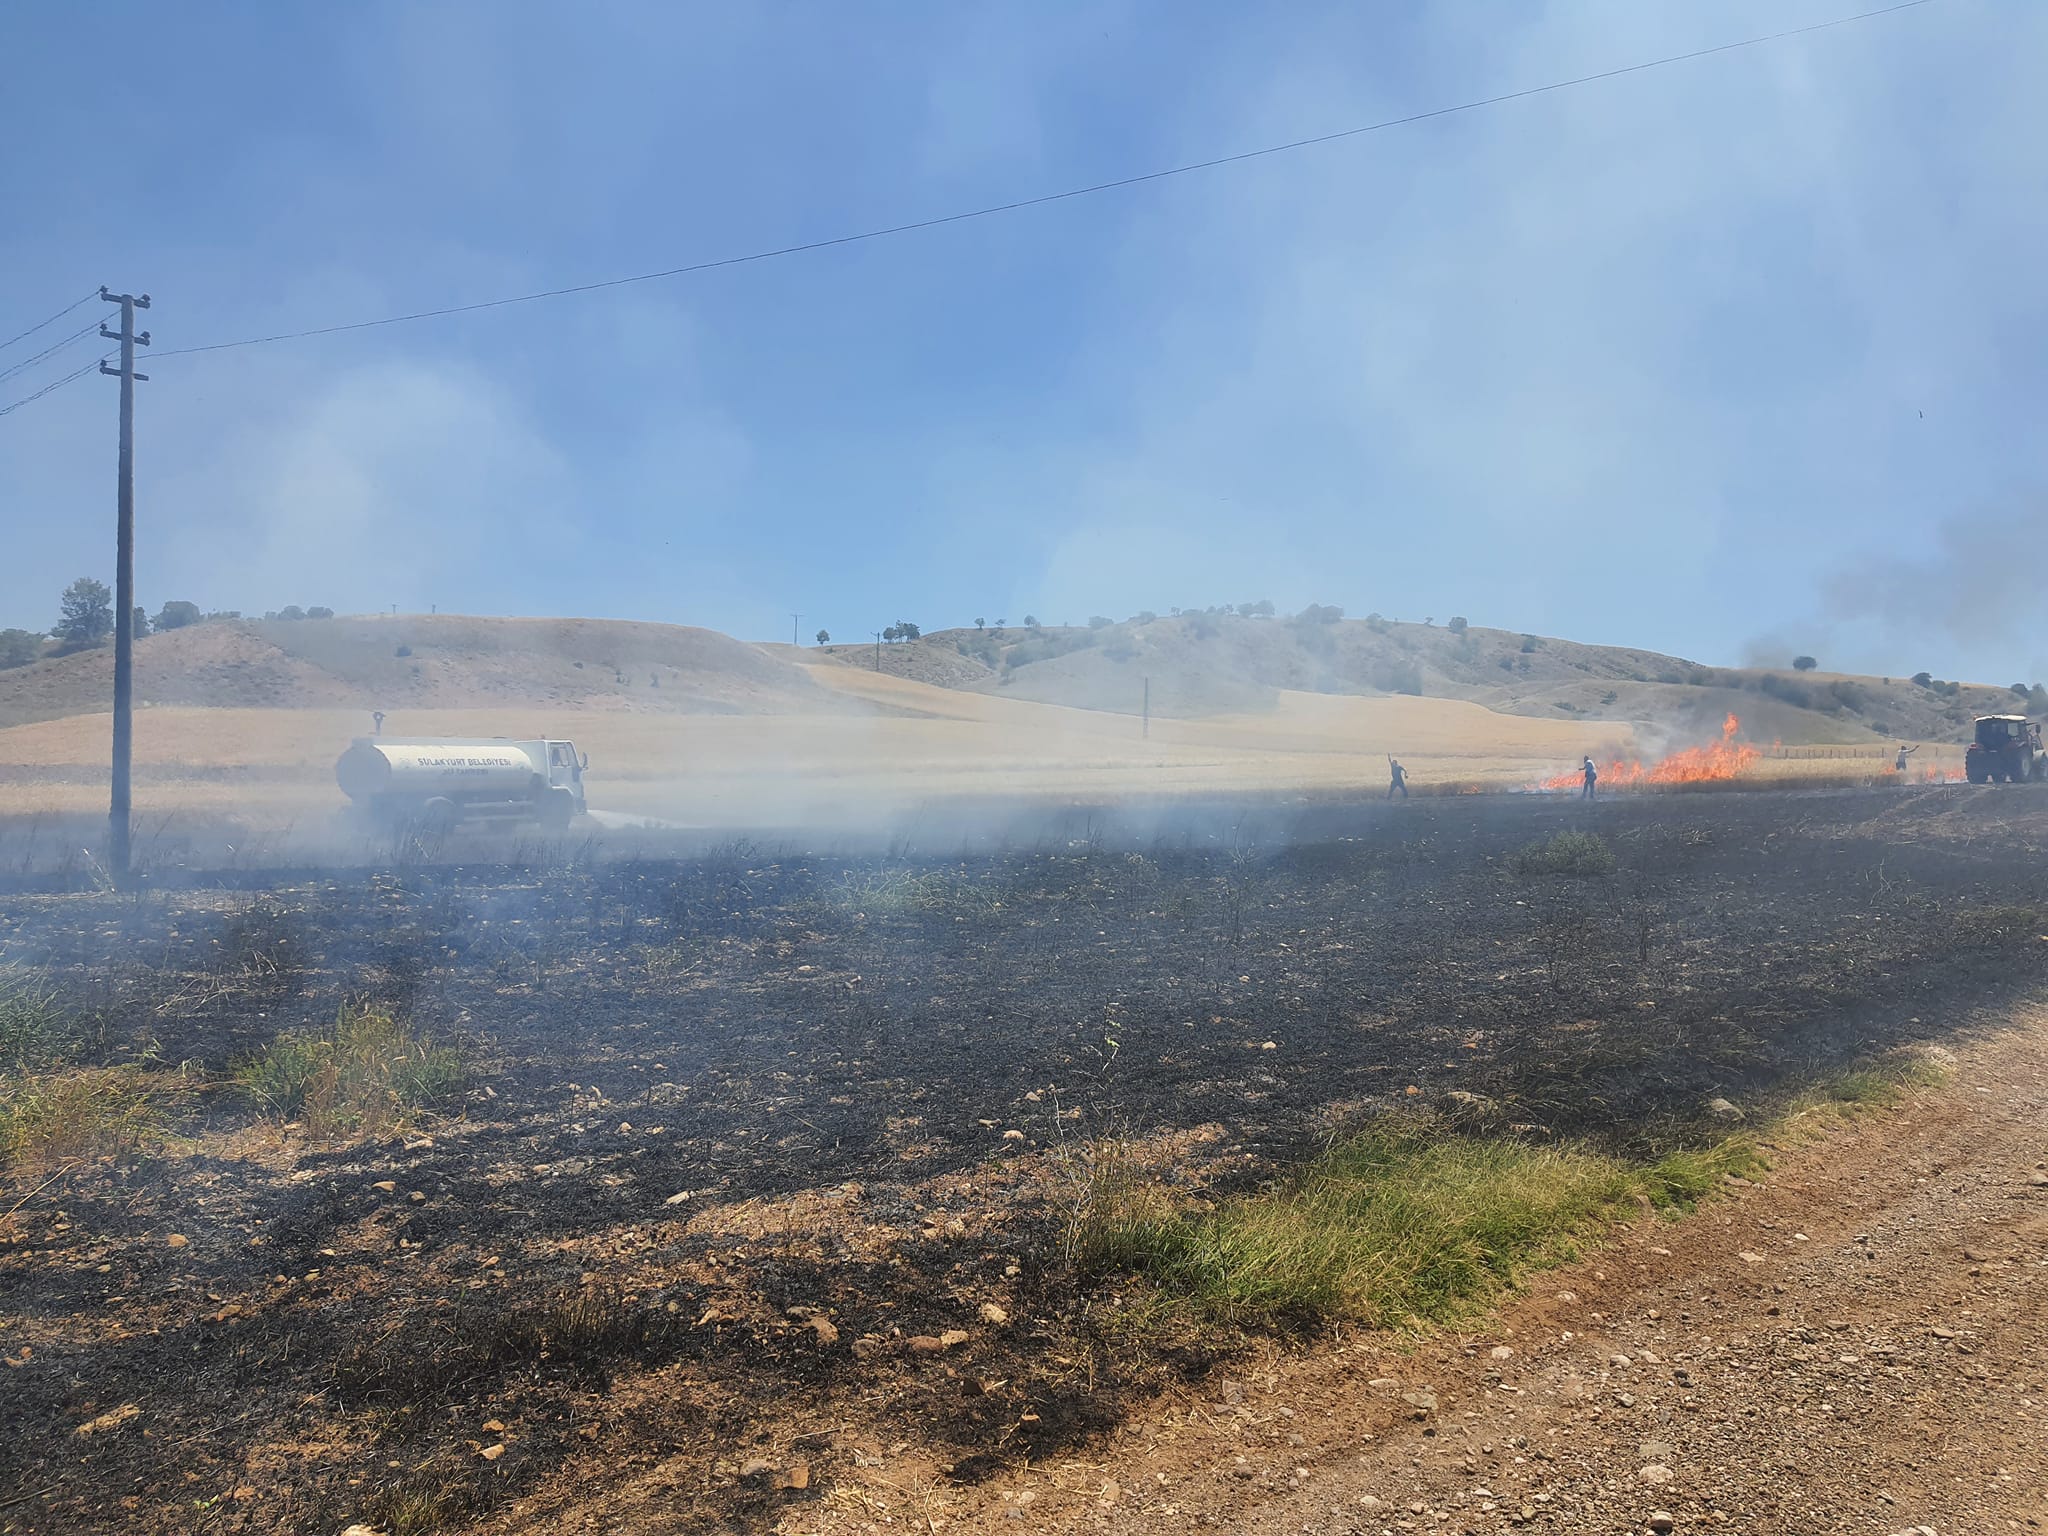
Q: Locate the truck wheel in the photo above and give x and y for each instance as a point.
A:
(438, 816)
(1974, 771)
(557, 810)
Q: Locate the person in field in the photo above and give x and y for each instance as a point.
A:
(1398, 778)
(1592, 777)
(1904, 753)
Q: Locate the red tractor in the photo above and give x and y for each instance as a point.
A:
(2007, 751)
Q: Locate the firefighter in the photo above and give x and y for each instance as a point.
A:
(1591, 775)
(1905, 752)
(1397, 782)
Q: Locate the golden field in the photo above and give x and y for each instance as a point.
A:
(911, 743)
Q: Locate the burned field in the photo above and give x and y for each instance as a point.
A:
(728, 1167)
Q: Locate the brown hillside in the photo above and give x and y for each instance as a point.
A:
(1208, 664)
(450, 662)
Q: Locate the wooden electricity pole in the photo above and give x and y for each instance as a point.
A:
(118, 818)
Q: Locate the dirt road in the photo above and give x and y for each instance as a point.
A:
(1857, 1344)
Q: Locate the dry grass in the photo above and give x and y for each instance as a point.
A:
(74, 1115)
(887, 743)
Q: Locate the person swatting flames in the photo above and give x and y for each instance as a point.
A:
(1591, 776)
(1397, 782)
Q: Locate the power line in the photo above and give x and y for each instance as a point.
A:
(51, 350)
(24, 335)
(69, 378)
(1071, 193)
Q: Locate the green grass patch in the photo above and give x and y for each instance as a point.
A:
(1413, 1226)
(370, 1073)
(1583, 855)
(1869, 1085)
(1393, 1228)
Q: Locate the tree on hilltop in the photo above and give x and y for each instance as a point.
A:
(88, 614)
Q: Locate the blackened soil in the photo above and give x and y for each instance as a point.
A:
(751, 1136)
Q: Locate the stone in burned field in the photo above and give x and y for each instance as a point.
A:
(1424, 1403)
(176, 1240)
(822, 1327)
(1722, 1109)
(1660, 1520)
(993, 1314)
(1656, 1474)
(951, 1337)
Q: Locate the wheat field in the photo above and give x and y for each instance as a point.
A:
(920, 743)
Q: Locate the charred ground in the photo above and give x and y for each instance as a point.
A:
(867, 1081)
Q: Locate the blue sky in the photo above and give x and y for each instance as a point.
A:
(1641, 362)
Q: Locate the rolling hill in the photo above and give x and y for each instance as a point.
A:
(1208, 664)
(426, 662)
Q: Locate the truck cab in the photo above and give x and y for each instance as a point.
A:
(565, 771)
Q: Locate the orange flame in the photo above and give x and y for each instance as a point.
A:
(1723, 759)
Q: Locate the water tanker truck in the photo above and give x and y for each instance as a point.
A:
(445, 783)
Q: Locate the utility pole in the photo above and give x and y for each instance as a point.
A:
(1147, 732)
(118, 817)
(794, 620)
(878, 650)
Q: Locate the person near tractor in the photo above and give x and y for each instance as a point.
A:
(1591, 775)
(1904, 753)
(1397, 778)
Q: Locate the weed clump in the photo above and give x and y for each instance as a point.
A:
(32, 1020)
(368, 1074)
(48, 1118)
(1583, 855)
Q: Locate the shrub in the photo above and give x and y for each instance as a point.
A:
(1803, 663)
(318, 612)
(1457, 626)
(1099, 621)
(1583, 855)
(1322, 613)
(1530, 644)
(1398, 677)
(403, 650)
(367, 1074)
(1792, 693)
(1922, 680)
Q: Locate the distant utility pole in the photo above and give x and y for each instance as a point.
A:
(1147, 733)
(794, 620)
(878, 650)
(118, 818)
